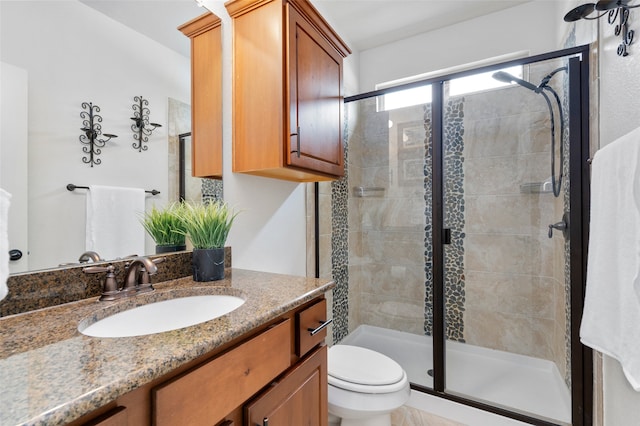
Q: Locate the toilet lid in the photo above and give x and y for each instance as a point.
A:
(357, 367)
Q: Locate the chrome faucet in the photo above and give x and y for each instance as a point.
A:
(89, 255)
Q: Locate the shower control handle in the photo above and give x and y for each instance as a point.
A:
(563, 226)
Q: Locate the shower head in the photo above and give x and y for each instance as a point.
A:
(505, 77)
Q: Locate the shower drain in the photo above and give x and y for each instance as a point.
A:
(430, 372)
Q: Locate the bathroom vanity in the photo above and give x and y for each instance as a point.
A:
(260, 361)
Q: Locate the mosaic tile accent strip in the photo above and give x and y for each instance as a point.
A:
(428, 229)
(212, 190)
(340, 245)
(571, 41)
(454, 218)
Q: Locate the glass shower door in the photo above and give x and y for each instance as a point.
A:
(505, 162)
(389, 180)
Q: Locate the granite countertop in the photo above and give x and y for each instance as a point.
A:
(51, 374)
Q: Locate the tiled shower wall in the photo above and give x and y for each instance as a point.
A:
(514, 273)
(505, 287)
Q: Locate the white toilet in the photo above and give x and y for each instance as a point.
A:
(364, 387)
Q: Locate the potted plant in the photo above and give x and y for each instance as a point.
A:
(207, 225)
(166, 227)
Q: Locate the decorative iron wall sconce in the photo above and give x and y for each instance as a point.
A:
(616, 9)
(91, 130)
(141, 127)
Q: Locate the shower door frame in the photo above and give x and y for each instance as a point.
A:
(581, 356)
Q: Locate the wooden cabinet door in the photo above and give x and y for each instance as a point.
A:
(205, 33)
(204, 395)
(315, 93)
(299, 398)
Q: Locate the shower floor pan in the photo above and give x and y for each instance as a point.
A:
(517, 382)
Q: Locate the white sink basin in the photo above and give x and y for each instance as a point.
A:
(163, 316)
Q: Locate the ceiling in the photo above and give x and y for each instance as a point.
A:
(363, 24)
(157, 19)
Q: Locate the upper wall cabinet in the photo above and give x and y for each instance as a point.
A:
(205, 33)
(287, 91)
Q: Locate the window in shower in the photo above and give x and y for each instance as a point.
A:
(457, 87)
(451, 271)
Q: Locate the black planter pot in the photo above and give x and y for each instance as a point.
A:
(208, 264)
(170, 248)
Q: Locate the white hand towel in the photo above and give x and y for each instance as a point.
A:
(5, 201)
(611, 317)
(113, 226)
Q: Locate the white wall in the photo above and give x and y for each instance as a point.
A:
(619, 114)
(74, 54)
(13, 152)
(530, 27)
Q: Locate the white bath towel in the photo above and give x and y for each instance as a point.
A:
(113, 226)
(5, 201)
(611, 317)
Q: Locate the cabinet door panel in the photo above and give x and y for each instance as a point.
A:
(299, 398)
(205, 33)
(315, 73)
(206, 394)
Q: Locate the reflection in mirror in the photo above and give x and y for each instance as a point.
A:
(183, 138)
(182, 185)
(190, 187)
(82, 52)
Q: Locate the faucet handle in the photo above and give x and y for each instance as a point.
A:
(97, 269)
(110, 289)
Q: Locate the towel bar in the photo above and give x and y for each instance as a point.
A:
(72, 187)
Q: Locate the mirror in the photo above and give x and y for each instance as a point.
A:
(58, 54)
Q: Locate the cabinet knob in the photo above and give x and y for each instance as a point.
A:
(297, 135)
(265, 421)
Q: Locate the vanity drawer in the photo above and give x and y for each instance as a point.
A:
(311, 327)
(204, 395)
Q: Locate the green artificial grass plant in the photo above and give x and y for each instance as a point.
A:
(166, 226)
(207, 224)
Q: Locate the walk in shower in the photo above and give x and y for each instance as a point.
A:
(456, 202)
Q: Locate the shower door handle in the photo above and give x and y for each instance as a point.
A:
(446, 236)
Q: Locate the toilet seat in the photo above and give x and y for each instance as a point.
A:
(362, 370)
